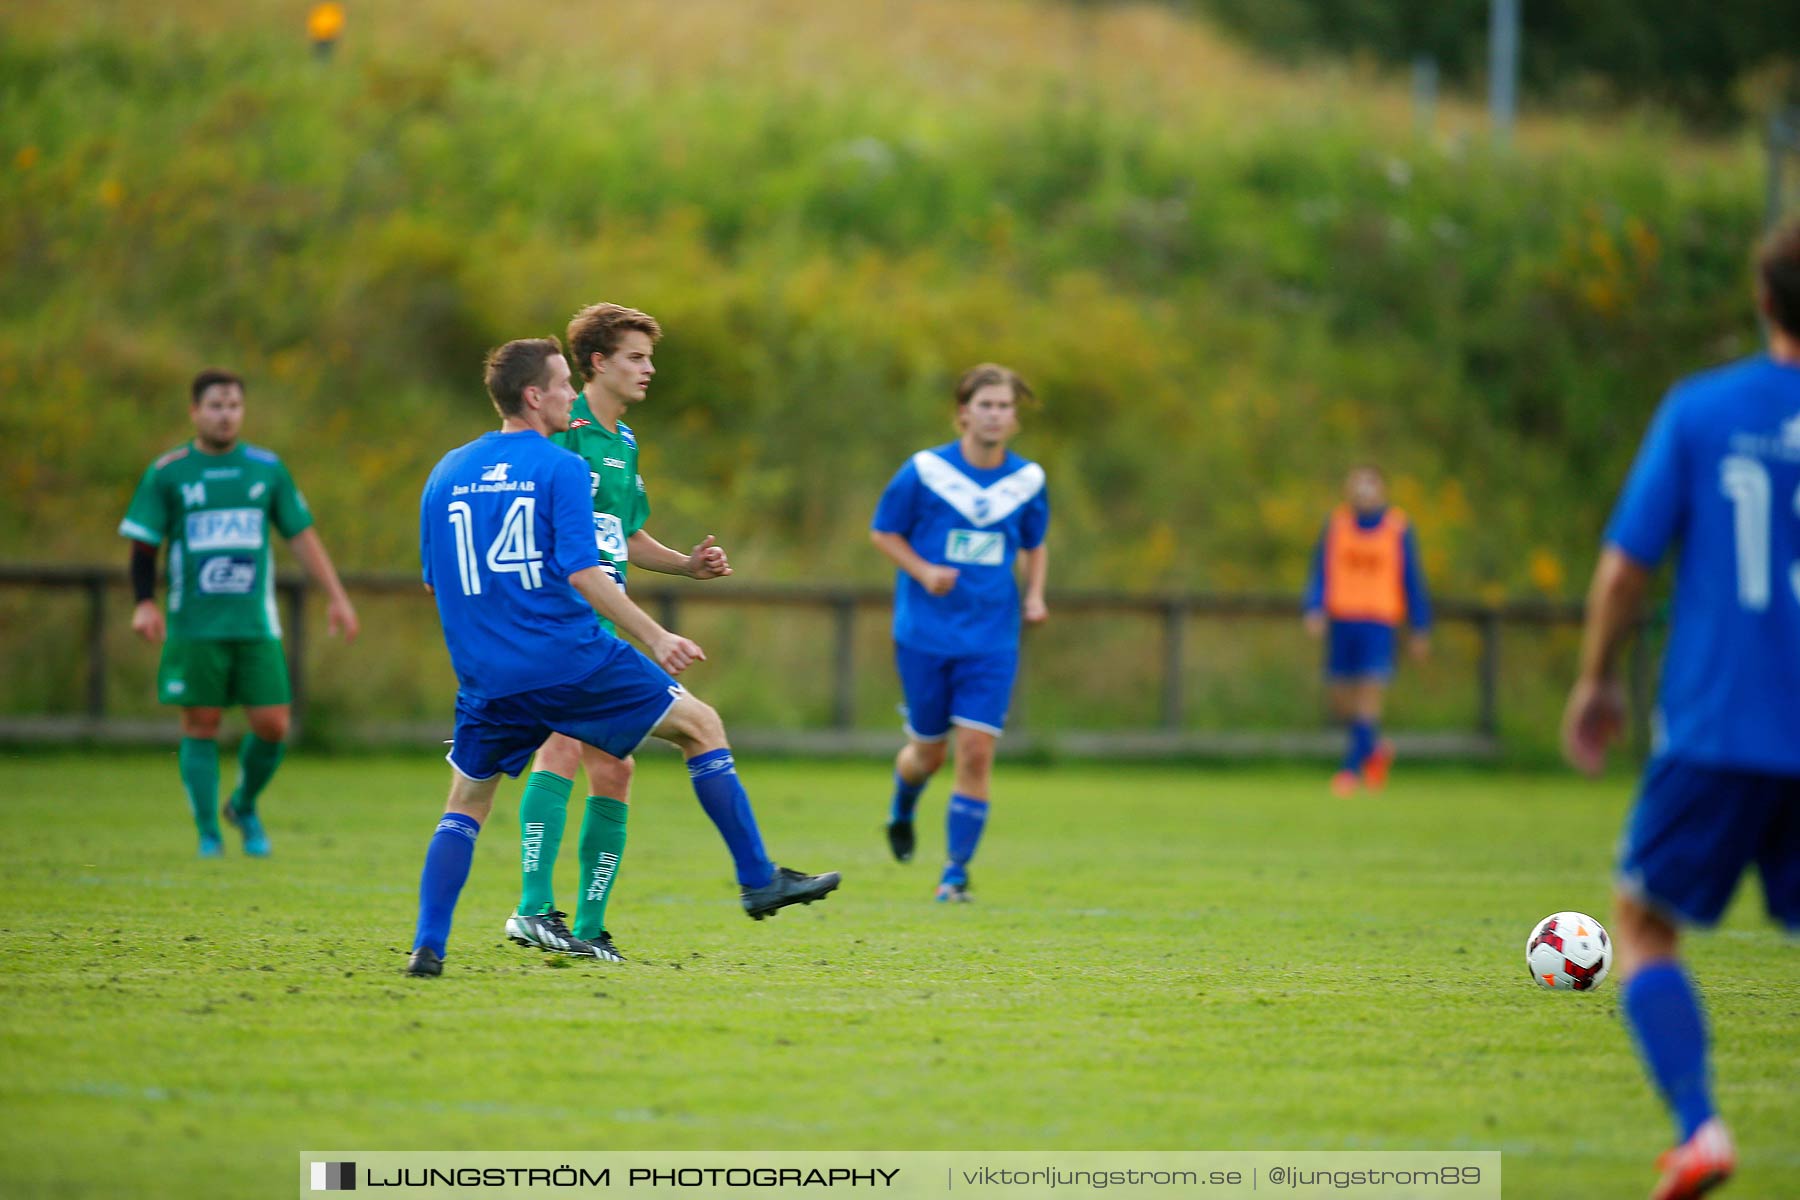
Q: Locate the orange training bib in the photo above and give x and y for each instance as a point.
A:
(1364, 568)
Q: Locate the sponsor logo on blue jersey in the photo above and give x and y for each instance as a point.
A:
(969, 546)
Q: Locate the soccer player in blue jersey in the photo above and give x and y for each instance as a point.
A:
(506, 533)
(1718, 473)
(1366, 578)
(954, 520)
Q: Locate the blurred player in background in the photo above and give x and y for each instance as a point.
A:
(1718, 473)
(953, 520)
(612, 347)
(1366, 578)
(215, 501)
(506, 536)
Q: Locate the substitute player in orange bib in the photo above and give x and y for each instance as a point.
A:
(1366, 579)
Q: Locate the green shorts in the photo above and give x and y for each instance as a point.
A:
(248, 671)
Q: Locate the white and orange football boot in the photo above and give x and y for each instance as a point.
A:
(1698, 1165)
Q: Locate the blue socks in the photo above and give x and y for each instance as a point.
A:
(963, 823)
(1663, 1011)
(1362, 744)
(715, 779)
(446, 870)
(906, 799)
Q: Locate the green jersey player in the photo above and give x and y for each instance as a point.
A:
(612, 348)
(215, 502)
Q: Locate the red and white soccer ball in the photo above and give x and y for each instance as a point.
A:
(1568, 952)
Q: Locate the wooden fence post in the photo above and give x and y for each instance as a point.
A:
(1488, 719)
(843, 698)
(96, 680)
(1174, 640)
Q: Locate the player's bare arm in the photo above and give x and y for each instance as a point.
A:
(705, 561)
(933, 578)
(340, 614)
(672, 652)
(1035, 565)
(1595, 713)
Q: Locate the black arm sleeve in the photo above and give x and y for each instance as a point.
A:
(143, 571)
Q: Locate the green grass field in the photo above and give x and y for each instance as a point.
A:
(1168, 957)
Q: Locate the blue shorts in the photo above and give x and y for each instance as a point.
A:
(614, 709)
(1359, 650)
(941, 690)
(1695, 829)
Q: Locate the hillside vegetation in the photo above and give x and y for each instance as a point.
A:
(1226, 280)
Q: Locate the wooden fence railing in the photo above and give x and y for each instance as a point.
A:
(843, 607)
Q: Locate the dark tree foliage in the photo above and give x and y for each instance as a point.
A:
(1692, 56)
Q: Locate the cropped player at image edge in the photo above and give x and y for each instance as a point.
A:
(1718, 479)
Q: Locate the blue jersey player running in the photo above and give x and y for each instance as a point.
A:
(1718, 474)
(954, 520)
(506, 532)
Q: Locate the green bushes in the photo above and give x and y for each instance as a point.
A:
(1710, 62)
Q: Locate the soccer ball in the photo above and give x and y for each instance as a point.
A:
(1568, 952)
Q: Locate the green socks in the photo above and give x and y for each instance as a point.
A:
(602, 845)
(199, 760)
(257, 761)
(543, 810)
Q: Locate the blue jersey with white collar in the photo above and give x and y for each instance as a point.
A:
(1719, 472)
(976, 520)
